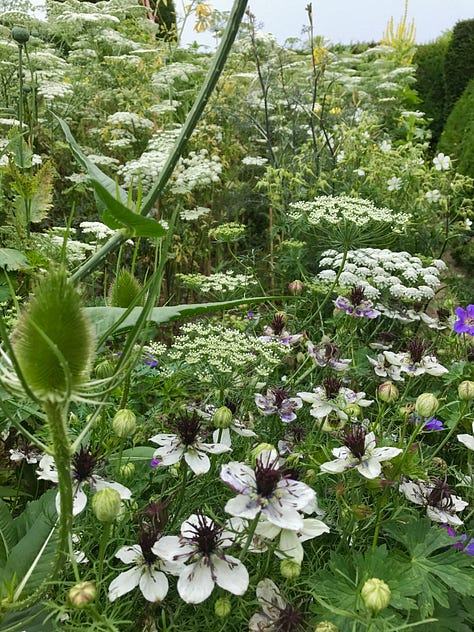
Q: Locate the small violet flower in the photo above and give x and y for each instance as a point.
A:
(465, 322)
(462, 544)
(430, 423)
(277, 402)
(359, 452)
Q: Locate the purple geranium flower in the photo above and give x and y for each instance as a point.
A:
(461, 544)
(430, 423)
(465, 324)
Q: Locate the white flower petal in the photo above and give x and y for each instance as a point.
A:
(197, 461)
(335, 467)
(290, 546)
(100, 483)
(124, 583)
(154, 585)
(195, 583)
(370, 468)
(413, 492)
(214, 448)
(285, 517)
(270, 599)
(467, 440)
(171, 548)
(238, 476)
(439, 515)
(242, 506)
(230, 574)
(129, 554)
(164, 439)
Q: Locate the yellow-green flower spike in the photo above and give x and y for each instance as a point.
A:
(53, 340)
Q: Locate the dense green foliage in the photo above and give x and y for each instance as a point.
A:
(459, 62)
(458, 134)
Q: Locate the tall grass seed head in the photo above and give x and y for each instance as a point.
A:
(53, 340)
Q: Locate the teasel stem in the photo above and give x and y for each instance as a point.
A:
(56, 413)
(192, 120)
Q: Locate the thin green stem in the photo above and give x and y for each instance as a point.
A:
(251, 533)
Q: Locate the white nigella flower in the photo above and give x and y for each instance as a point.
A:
(332, 397)
(415, 362)
(440, 502)
(328, 354)
(202, 543)
(290, 541)
(266, 490)
(29, 454)
(442, 162)
(467, 439)
(84, 464)
(276, 332)
(275, 614)
(277, 402)
(359, 452)
(148, 571)
(187, 444)
(223, 435)
(383, 368)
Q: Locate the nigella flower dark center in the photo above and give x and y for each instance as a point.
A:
(441, 495)
(331, 351)
(84, 463)
(290, 619)
(146, 540)
(280, 395)
(156, 514)
(331, 386)
(278, 324)
(357, 296)
(187, 427)
(417, 348)
(206, 535)
(355, 440)
(267, 477)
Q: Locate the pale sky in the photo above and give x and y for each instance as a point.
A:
(346, 20)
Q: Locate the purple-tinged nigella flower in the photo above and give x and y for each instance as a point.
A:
(277, 402)
(327, 354)
(276, 332)
(462, 544)
(276, 613)
(436, 495)
(430, 423)
(465, 324)
(357, 304)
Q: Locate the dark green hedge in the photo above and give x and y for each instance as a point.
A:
(457, 139)
(459, 62)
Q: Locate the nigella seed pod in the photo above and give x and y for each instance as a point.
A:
(426, 404)
(20, 34)
(466, 390)
(124, 423)
(223, 607)
(376, 594)
(388, 392)
(53, 341)
(106, 504)
(290, 569)
(326, 626)
(222, 417)
(82, 594)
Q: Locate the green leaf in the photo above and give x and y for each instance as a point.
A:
(29, 564)
(139, 453)
(7, 532)
(118, 215)
(105, 318)
(93, 171)
(32, 619)
(12, 259)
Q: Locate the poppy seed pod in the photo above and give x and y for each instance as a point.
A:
(376, 594)
(20, 34)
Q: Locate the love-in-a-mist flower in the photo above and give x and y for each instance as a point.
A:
(359, 452)
(85, 463)
(383, 367)
(278, 402)
(436, 495)
(465, 322)
(201, 547)
(415, 361)
(268, 490)
(187, 444)
(289, 541)
(149, 570)
(467, 439)
(357, 304)
(276, 615)
(327, 354)
(276, 332)
(332, 397)
(222, 434)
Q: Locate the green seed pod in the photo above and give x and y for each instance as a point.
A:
(104, 369)
(82, 594)
(222, 417)
(466, 390)
(127, 470)
(124, 290)
(20, 34)
(426, 404)
(223, 607)
(106, 504)
(388, 392)
(290, 569)
(124, 423)
(326, 626)
(53, 340)
(376, 594)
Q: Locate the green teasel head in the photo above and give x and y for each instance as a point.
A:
(124, 290)
(53, 341)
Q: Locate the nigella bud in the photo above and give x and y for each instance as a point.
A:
(222, 417)
(223, 607)
(20, 34)
(82, 594)
(388, 392)
(53, 340)
(124, 423)
(104, 369)
(296, 287)
(376, 594)
(466, 390)
(127, 470)
(326, 626)
(106, 504)
(255, 452)
(353, 410)
(426, 404)
(290, 569)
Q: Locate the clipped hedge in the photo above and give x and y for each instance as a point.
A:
(429, 62)
(459, 62)
(457, 139)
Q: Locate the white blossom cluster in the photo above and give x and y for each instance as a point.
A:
(97, 229)
(380, 272)
(254, 161)
(189, 215)
(50, 85)
(177, 71)
(196, 171)
(334, 209)
(219, 282)
(50, 245)
(212, 348)
(75, 18)
(129, 119)
(103, 161)
(165, 106)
